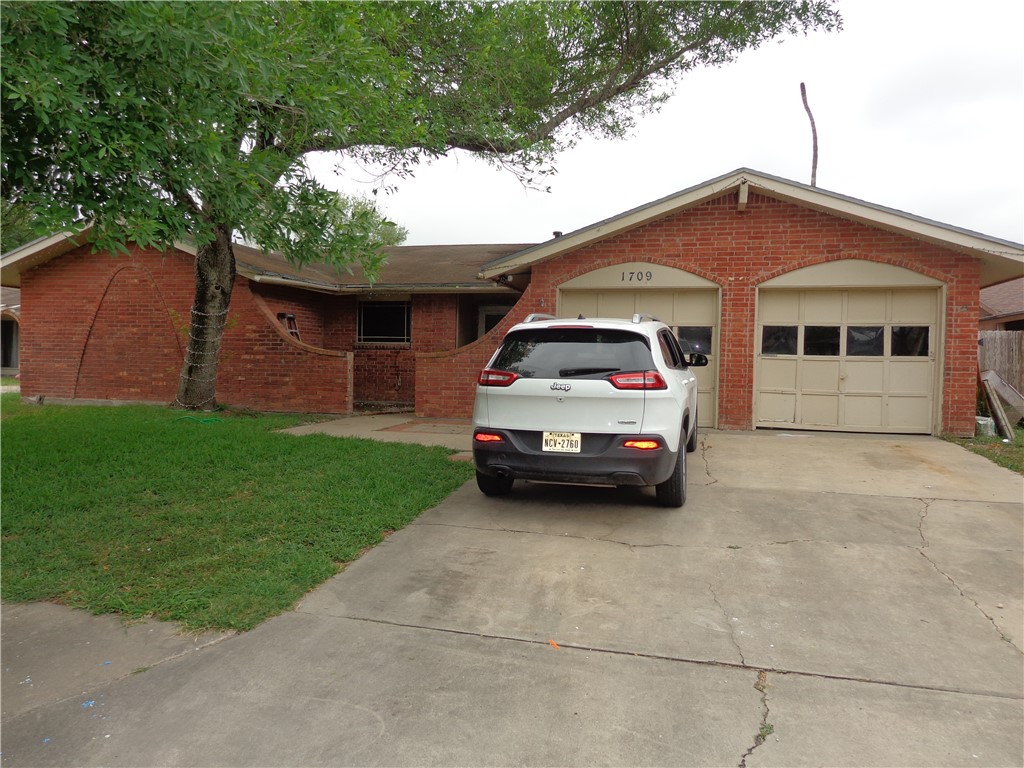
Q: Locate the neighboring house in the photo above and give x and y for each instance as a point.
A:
(10, 321)
(818, 311)
(1002, 306)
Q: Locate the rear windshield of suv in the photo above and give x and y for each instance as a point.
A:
(584, 353)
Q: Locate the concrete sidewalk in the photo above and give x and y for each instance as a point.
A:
(397, 428)
(821, 599)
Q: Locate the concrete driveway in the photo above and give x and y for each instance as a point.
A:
(820, 600)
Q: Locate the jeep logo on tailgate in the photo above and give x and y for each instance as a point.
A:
(563, 387)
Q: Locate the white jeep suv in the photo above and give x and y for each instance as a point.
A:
(601, 401)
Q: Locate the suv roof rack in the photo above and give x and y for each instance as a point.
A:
(639, 318)
(535, 316)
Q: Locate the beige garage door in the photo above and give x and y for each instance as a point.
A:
(685, 302)
(859, 360)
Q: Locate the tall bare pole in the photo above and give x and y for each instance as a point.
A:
(814, 137)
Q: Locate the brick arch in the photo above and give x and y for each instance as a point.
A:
(811, 261)
(132, 349)
(672, 261)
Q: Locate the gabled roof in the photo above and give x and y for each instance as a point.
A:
(409, 268)
(1001, 260)
(1003, 300)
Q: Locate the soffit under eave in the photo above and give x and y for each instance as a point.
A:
(377, 288)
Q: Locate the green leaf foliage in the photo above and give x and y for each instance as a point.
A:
(17, 225)
(166, 121)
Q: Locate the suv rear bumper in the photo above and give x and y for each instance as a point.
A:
(602, 460)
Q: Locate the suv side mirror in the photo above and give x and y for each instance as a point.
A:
(697, 360)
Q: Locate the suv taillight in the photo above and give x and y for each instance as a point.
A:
(489, 377)
(638, 380)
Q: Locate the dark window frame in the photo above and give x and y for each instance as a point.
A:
(877, 341)
(686, 343)
(822, 335)
(380, 337)
(777, 329)
(905, 341)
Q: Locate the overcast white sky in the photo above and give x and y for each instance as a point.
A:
(919, 106)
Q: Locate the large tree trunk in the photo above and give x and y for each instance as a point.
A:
(215, 277)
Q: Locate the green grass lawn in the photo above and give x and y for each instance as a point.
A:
(1005, 454)
(9, 381)
(213, 521)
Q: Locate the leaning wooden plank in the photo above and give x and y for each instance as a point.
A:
(1004, 426)
(1006, 392)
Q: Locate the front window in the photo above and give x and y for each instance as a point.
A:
(385, 322)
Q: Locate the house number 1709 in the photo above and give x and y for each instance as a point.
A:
(637, 277)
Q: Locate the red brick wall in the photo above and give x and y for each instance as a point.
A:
(340, 323)
(95, 326)
(130, 318)
(738, 250)
(263, 367)
(307, 307)
(73, 340)
(446, 381)
(387, 372)
(435, 322)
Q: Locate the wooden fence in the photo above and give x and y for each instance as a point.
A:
(1003, 352)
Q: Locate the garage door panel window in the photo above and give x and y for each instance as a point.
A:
(910, 341)
(778, 340)
(821, 340)
(695, 338)
(865, 341)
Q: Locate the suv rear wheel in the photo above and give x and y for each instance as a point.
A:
(672, 492)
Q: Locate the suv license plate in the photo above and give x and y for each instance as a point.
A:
(562, 442)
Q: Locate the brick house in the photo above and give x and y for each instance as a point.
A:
(98, 326)
(818, 311)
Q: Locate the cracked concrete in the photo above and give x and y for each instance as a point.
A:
(920, 525)
(971, 600)
(704, 448)
(765, 729)
(728, 621)
(958, 587)
(853, 582)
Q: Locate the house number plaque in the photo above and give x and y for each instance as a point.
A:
(637, 277)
